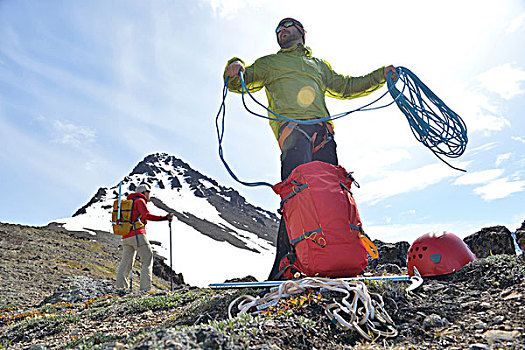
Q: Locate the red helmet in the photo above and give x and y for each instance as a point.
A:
(435, 254)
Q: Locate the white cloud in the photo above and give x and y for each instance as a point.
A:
(487, 122)
(398, 182)
(373, 163)
(502, 157)
(505, 80)
(517, 138)
(229, 8)
(94, 164)
(483, 148)
(410, 232)
(479, 177)
(516, 24)
(516, 176)
(372, 142)
(517, 220)
(499, 188)
(69, 133)
(27, 152)
(477, 110)
(120, 99)
(409, 212)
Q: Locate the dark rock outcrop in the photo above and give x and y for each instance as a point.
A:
(98, 196)
(491, 241)
(161, 270)
(389, 254)
(217, 232)
(175, 183)
(146, 167)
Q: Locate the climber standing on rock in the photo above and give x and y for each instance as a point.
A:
(136, 241)
(296, 84)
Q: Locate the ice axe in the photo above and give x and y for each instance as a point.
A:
(415, 282)
(517, 247)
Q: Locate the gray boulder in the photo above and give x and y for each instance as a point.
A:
(491, 241)
(389, 254)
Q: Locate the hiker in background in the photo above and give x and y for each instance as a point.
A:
(136, 241)
(296, 84)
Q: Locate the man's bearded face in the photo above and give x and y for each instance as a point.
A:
(286, 36)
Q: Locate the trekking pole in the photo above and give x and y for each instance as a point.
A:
(171, 260)
(133, 263)
(131, 278)
(119, 195)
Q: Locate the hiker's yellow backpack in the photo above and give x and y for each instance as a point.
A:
(122, 224)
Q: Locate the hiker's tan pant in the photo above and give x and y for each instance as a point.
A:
(129, 249)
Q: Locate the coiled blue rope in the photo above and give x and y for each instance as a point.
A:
(440, 130)
(434, 124)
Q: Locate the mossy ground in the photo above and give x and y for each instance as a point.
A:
(484, 303)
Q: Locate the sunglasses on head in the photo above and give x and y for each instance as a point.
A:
(286, 24)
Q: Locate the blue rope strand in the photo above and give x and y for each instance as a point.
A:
(220, 136)
(434, 124)
(441, 131)
(282, 118)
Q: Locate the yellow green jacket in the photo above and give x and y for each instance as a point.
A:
(296, 83)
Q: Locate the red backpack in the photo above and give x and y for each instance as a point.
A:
(323, 224)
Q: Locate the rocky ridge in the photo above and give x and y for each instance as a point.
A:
(57, 292)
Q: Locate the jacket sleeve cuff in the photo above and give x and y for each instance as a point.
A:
(231, 60)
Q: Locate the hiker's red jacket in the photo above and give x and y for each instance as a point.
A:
(140, 208)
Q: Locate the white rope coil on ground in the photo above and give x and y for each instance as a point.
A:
(357, 310)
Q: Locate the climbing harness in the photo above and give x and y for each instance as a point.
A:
(433, 123)
(327, 135)
(357, 309)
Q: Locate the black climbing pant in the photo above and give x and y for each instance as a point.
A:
(298, 149)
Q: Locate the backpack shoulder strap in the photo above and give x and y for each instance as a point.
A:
(138, 217)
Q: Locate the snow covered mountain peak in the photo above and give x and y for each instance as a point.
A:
(211, 220)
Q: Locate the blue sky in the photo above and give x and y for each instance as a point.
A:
(88, 88)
